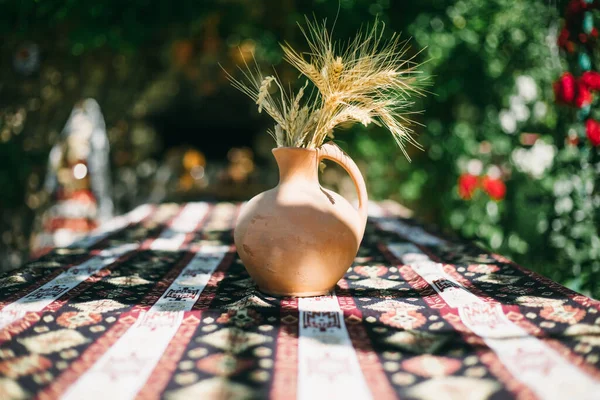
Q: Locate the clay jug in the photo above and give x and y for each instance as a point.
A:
(299, 239)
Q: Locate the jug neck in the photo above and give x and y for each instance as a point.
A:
(296, 164)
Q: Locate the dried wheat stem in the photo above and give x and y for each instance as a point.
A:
(367, 80)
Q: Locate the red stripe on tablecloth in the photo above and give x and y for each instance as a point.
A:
(210, 291)
(85, 285)
(571, 294)
(101, 345)
(20, 326)
(451, 270)
(166, 366)
(149, 299)
(163, 284)
(514, 314)
(148, 242)
(285, 372)
(106, 270)
(100, 245)
(430, 296)
(369, 362)
(573, 357)
(163, 371)
(495, 367)
(39, 282)
(88, 358)
(435, 301)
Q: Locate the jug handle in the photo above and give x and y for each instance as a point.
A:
(331, 151)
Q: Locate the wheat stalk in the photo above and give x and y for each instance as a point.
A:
(367, 80)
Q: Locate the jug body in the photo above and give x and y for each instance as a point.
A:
(299, 239)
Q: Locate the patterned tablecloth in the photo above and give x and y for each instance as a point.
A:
(157, 305)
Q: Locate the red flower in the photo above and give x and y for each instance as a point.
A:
(591, 79)
(467, 184)
(563, 38)
(564, 88)
(592, 130)
(494, 187)
(575, 7)
(584, 96)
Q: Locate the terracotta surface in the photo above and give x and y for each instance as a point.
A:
(298, 239)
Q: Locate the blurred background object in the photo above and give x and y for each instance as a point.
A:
(78, 182)
(504, 164)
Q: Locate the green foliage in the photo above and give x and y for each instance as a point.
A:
(479, 52)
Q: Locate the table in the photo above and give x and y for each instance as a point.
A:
(156, 304)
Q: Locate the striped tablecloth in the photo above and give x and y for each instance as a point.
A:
(156, 304)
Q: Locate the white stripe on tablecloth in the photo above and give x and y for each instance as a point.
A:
(448, 288)
(113, 225)
(173, 237)
(328, 367)
(43, 296)
(374, 209)
(415, 234)
(122, 371)
(67, 280)
(530, 360)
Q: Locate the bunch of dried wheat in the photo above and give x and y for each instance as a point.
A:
(367, 80)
